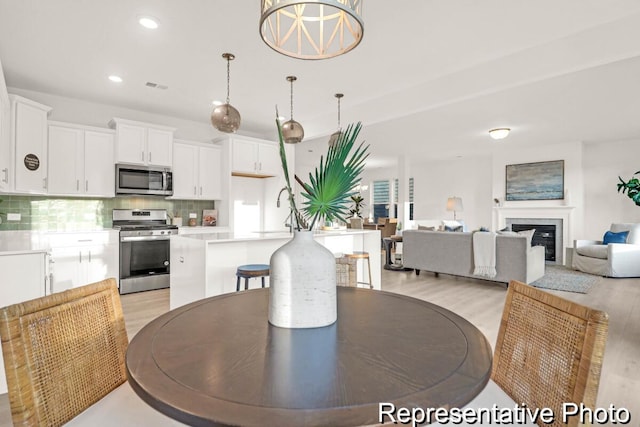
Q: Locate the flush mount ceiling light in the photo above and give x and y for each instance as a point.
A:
(311, 29)
(499, 133)
(148, 22)
(334, 136)
(292, 131)
(224, 117)
(115, 79)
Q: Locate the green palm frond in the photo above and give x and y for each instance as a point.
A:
(331, 186)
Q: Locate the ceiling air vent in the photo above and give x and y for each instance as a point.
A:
(156, 85)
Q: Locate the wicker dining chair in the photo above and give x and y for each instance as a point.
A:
(549, 350)
(63, 353)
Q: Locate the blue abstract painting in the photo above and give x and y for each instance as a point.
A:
(535, 181)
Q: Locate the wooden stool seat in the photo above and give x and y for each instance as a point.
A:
(249, 271)
(363, 256)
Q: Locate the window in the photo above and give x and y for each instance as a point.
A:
(380, 199)
(395, 198)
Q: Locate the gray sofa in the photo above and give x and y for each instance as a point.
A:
(452, 253)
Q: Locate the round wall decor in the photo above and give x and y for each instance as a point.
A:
(31, 162)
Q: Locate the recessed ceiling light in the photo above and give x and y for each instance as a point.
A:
(216, 103)
(148, 22)
(499, 133)
(115, 79)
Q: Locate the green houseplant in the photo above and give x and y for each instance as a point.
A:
(358, 204)
(332, 184)
(631, 188)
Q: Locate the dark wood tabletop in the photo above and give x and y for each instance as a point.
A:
(218, 361)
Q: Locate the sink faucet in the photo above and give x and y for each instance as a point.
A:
(288, 222)
(279, 194)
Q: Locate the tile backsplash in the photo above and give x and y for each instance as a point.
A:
(66, 213)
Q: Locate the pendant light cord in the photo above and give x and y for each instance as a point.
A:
(291, 99)
(228, 77)
(339, 112)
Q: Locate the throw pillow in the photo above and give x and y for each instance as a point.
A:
(611, 237)
(422, 227)
(452, 225)
(528, 234)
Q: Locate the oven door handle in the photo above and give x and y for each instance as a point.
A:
(143, 238)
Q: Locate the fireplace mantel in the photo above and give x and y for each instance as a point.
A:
(500, 214)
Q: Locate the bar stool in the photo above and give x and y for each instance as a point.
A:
(251, 270)
(363, 256)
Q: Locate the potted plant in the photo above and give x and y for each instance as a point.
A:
(358, 204)
(631, 187)
(302, 291)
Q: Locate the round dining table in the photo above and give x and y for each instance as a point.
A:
(218, 361)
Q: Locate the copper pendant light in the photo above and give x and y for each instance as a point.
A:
(225, 117)
(292, 131)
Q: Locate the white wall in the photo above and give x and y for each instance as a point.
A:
(602, 164)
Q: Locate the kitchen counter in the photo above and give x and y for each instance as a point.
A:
(22, 242)
(35, 241)
(204, 265)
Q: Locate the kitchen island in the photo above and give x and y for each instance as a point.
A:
(204, 265)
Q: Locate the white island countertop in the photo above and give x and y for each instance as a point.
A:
(225, 236)
(204, 265)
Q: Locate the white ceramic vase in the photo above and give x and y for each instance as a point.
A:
(302, 284)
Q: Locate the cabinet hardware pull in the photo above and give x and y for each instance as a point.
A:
(149, 156)
(85, 240)
(77, 185)
(50, 283)
(44, 183)
(89, 256)
(6, 175)
(142, 156)
(201, 190)
(181, 259)
(86, 185)
(195, 190)
(80, 256)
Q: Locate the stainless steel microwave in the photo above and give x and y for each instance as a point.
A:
(149, 180)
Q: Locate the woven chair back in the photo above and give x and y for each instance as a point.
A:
(63, 352)
(549, 350)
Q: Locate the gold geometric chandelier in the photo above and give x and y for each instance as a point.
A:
(311, 29)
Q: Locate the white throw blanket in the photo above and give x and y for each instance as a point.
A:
(484, 254)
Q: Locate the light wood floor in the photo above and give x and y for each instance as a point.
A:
(481, 303)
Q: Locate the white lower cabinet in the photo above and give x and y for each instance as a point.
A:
(78, 259)
(23, 278)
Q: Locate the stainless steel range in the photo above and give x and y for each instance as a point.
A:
(144, 248)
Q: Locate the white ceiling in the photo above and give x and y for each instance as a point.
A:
(430, 76)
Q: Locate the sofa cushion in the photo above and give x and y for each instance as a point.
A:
(611, 237)
(526, 233)
(593, 251)
(425, 228)
(632, 228)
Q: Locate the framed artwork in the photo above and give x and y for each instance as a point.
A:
(535, 181)
(209, 217)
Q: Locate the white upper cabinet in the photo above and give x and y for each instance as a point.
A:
(254, 158)
(29, 139)
(197, 171)
(6, 164)
(143, 143)
(81, 161)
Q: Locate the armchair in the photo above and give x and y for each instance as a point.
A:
(612, 260)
